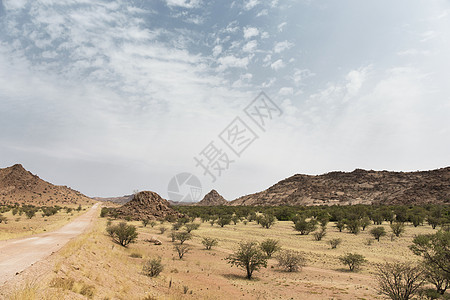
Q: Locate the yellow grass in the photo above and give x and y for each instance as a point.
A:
(93, 266)
(20, 226)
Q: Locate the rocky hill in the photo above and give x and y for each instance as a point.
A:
(18, 185)
(213, 198)
(119, 200)
(357, 187)
(147, 205)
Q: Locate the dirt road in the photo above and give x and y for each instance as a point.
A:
(18, 254)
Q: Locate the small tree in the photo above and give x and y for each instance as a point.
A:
(378, 232)
(153, 267)
(334, 243)
(209, 242)
(162, 229)
(435, 249)
(122, 233)
(235, 219)
(353, 226)
(352, 260)
(305, 227)
(183, 236)
(181, 250)
(249, 257)
(340, 225)
(290, 260)
(191, 226)
(270, 246)
(364, 223)
(397, 228)
(399, 281)
(224, 220)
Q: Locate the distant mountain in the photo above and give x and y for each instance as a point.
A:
(213, 198)
(147, 205)
(17, 185)
(357, 187)
(119, 200)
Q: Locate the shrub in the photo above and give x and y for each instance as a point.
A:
(191, 226)
(397, 228)
(290, 260)
(153, 267)
(270, 246)
(399, 281)
(267, 220)
(318, 235)
(378, 232)
(305, 227)
(181, 250)
(136, 255)
(177, 226)
(162, 229)
(122, 233)
(352, 260)
(353, 226)
(209, 242)
(30, 213)
(249, 257)
(145, 222)
(3, 219)
(87, 290)
(183, 236)
(334, 243)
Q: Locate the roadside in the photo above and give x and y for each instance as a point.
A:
(18, 254)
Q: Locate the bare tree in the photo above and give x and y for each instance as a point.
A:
(399, 281)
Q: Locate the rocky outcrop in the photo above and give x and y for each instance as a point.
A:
(213, 198)
(147, 205)
(357, 187)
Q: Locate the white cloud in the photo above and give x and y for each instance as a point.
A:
(286, 91)
(279, 64)
(263, 12)
(183, 3)
(231, 61)
(355, 80)
(217, 50)
(250, 46)
(250, 32)
(281, 46)
(249, 4)
(301, 74)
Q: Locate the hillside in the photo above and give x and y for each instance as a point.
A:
(213, 198)
(147, 205)
(21, 186)
(357, 187)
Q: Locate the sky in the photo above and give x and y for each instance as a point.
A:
(110, 97)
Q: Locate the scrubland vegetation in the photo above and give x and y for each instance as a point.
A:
(356, 252)
(23, 220)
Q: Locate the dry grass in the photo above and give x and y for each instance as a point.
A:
(93, 266)
(21, 226)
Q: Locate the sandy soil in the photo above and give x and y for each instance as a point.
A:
(18, 254)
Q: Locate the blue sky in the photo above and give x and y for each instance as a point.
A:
(114, 96)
